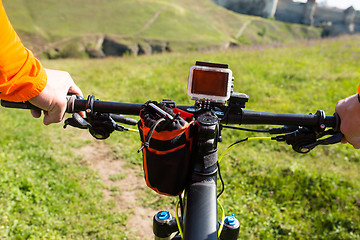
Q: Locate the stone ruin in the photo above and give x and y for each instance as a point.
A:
(334, 21)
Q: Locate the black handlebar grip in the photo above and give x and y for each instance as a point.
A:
(27, 105)
(20, 105)
(337, 122)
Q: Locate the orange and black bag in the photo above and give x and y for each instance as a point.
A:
(166, 148)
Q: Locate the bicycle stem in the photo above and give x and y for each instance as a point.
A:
(201, 210)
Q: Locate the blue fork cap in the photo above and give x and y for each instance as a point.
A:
(163, 215)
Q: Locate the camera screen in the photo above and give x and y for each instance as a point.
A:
(214, 83)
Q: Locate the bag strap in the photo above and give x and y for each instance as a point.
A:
(146, 144)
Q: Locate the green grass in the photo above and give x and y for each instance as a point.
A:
(184, 25)
(46, 193)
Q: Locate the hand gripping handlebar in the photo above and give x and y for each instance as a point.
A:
(76, 103)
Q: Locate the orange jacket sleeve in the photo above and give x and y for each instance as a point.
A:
(21, 74)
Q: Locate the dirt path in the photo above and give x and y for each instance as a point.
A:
(151, 21)
(122, 185)
(242, 29)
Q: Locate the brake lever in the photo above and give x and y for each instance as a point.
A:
(336, 138)
(304, 140)
(101, 127)
(77, 121)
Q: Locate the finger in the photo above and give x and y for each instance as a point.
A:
(54, 115)
(51, 118)
(75, 90)
(356, 145)
(82, 114)
(35, 113)
(355, 142)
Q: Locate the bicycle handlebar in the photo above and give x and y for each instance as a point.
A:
(267, 118)
(243, 117)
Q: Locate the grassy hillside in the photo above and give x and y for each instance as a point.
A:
(48, 192)
(183, 25)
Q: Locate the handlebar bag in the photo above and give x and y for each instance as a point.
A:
(166, 148)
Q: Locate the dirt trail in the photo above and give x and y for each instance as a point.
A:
(123, 189)
(243, 28)
(151, 21)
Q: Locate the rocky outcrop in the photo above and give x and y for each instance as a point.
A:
(100, 46)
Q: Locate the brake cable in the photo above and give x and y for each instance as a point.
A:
(246, 129)
(240, 141)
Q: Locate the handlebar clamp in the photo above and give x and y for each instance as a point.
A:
(322, 117)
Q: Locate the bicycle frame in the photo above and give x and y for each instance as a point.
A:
(201, 210)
